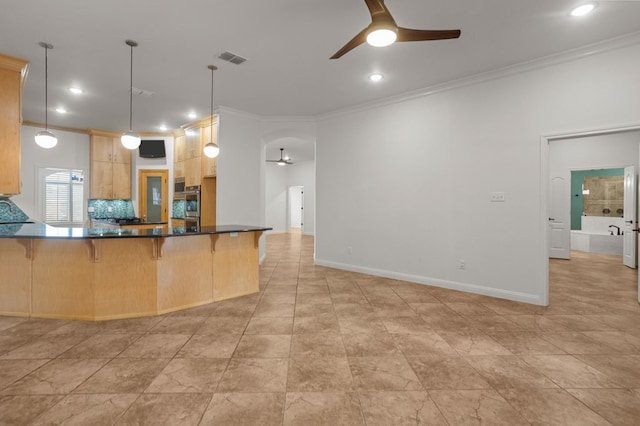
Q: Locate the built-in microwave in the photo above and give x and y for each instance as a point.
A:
(178, 185)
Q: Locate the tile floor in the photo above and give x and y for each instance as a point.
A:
(322, 346)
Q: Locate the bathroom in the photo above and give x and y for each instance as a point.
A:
(597, 209)
(600, 159)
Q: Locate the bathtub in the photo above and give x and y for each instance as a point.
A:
(595, 242)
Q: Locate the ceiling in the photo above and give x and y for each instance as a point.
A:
(288, 44)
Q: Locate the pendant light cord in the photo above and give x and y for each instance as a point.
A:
(131, 91)
(46, 87)
(211, 129)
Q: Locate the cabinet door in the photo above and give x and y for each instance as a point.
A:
(193, 143)
(101, 179)
(193, 171)
(10, 97)
(208, 166)
(177, 223)
(179, 169)
(121, 180)
(120, 153)
(101, 148)
(179, 149)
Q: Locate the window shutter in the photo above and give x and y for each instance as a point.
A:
(63, 194)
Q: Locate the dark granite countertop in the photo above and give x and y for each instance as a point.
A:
(41, 230)
(112, 222)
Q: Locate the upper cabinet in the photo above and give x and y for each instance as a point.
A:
(189, 160)
(110, 167)
(13, 72)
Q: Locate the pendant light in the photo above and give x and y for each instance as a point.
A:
(44, 138)
(211, 150)
(130, 139)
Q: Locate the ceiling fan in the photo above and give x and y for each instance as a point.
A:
(383, 31)
(282, 161)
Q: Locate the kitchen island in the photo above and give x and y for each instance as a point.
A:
(108, 273)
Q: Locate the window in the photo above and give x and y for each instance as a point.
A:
(63, 196)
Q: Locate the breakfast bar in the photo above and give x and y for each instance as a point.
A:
(105, 273)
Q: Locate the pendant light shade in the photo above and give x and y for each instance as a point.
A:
(130, 139)
(44, 138)
(211, 149)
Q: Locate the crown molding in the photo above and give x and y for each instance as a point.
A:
(520, 68)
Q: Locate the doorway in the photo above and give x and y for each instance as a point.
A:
(602, 149)
(296, 207)
(153, 194)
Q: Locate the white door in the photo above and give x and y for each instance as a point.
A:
(629, 239)
(295, 205)
(559, 218)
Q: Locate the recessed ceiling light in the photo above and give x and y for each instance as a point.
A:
(163, 128)
(76, 90)
(61, 110)
(376, 76)
(192, 115)
(583, 9)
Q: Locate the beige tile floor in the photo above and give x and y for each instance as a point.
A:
(322, 346)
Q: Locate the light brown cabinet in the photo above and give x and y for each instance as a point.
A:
(12, 76)
(192, 172)
(196, 168)
(179, 148)
(177, 223)
(110, 167)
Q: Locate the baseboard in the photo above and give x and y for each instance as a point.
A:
(435, 282)
(262, 258)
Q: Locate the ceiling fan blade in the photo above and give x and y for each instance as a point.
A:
(352, 44)
(407, 34)
(377, 7)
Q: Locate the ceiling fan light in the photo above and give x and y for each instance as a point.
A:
(46, 139)
(130, 140)
(211, 150)
(281, 162)
(381, 37)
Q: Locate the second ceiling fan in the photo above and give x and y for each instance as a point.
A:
(282, 161)
(383, 31)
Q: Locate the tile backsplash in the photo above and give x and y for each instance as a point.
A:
(9, 212)
(99, 208)
(178, 209)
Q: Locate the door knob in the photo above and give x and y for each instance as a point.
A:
(551, 218)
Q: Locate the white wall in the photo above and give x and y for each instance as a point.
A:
(276, 179)
(607, 151)
(240, 197)
(407, 185)
(71, 152)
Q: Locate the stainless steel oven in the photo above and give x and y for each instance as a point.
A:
(192, 201)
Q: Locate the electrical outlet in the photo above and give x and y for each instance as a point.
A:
(110, 209)
(462, 264)
(497, 197)
(91, 209)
